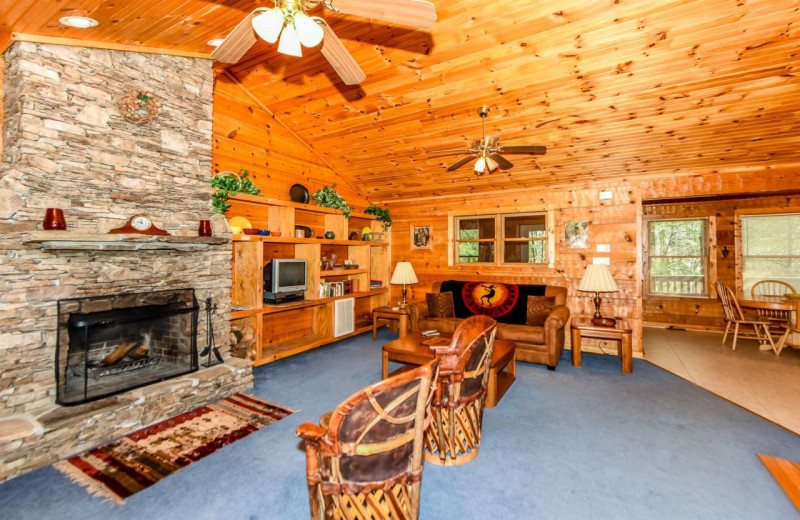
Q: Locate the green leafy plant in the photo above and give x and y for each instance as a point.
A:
(228, 184)
(382, 215)
(328, 198)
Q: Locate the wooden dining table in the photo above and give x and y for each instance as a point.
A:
(778, 303)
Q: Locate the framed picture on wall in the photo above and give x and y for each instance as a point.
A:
(421, 237)
(576, 233)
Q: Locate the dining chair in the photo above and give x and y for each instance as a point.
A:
(734, 316)
(365, 460)
(772, 288)
(788, 330)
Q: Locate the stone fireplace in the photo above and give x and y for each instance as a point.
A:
(109, 344)
(66, 145)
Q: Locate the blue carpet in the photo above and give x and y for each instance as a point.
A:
(570, 444)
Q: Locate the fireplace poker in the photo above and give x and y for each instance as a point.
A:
(211, 348)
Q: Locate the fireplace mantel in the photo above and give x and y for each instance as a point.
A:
(71, 240)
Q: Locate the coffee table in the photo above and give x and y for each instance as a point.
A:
(409, 350)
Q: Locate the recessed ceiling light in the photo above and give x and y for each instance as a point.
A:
(81, 22)
(216, 42)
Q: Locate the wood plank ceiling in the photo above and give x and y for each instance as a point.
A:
(613, 88)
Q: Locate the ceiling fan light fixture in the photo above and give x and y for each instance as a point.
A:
(491, 164)
(290, 42)
(268, 25)
(480, 166)
(309, 31)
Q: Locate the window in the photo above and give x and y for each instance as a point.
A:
(519, 238)
(770, 249)
(677, 257)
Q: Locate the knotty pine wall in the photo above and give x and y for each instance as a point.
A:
(706, 313)
(610, 222)
(247, 136)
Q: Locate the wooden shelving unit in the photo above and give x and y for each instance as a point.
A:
(283, 330)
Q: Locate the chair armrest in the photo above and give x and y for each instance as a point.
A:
(310, 432)
(416, 312)
(557, 318)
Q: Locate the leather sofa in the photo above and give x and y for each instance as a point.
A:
(534, 344)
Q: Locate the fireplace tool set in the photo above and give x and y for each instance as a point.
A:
(211, 348)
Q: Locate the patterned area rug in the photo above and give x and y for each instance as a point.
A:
(126, 466)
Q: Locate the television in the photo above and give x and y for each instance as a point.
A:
(285, 280)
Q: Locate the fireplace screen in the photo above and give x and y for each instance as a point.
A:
(110, 344)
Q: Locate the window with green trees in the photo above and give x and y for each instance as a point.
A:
(677, 257)
(517, 238)
(770, 249)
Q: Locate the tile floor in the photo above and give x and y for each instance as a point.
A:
(760, 381)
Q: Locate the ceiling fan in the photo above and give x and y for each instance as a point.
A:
(487, 152)
(289, 21)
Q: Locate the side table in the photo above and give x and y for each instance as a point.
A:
(582, 327)
(390, 314)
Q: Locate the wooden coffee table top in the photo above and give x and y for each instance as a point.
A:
(411, 349)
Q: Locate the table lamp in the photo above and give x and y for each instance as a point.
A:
(597, 279)
(403, 274)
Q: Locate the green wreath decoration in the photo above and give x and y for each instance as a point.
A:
(139, 106)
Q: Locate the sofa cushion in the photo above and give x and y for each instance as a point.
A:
(440, 305)
(539, 308)
(506, 303)
(521, 333)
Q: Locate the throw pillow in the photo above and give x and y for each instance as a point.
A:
(539, 308)
(440, 305)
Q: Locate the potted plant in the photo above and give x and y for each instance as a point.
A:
(328, 198)
(382, 215)
(228, 184)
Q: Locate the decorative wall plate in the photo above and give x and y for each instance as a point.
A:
(298, 193)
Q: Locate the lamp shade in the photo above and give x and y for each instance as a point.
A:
(403, 274)
(290, 42)
(309, 31)
(268, 24)
(597, 278)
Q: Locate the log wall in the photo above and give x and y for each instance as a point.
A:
(706, 313)
(615, 223)
(247, 135)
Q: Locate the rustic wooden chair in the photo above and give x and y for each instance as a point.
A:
(367, 463)
(772, 288)
(454, 435)
(734, 316)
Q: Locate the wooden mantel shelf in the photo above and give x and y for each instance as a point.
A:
(70, 240)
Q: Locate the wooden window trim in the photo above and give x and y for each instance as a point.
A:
(499, 237)
(737, 236)
(710, 254)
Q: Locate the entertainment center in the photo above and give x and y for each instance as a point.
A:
(285, 329)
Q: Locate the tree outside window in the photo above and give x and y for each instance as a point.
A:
(770, 249)
(522, 238)
(677, 260)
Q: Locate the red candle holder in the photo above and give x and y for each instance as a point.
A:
(205, 228)
(54, 219)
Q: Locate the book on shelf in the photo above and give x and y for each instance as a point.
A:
(333, 289)
(375, 284)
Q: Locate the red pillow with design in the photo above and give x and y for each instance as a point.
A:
(539, 308)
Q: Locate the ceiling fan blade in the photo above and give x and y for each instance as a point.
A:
(502, 162)
(342, 62)
(461, 162)
(238, 41)
(454, 150)
(536, 150)
(415, 13)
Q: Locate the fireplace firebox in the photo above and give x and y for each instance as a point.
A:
(110, 344)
